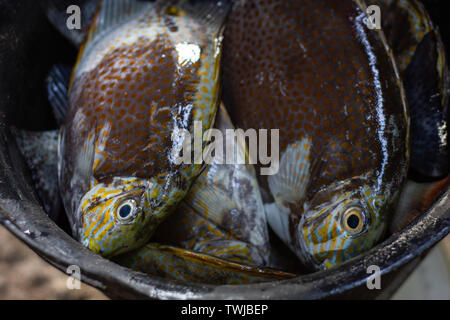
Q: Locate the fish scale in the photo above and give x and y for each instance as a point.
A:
(146, 72)
(219, 228)
(328, 84)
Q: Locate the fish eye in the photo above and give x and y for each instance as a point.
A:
(126, 209)
(173, 11)
(353, 220)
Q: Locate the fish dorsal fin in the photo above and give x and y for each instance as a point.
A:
(113, 13)
(57, 83)
(211, 13)
(427, 101)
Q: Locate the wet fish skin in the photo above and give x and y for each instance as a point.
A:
(218, 234)
(223, 214)
(187, 266)
(141, 76)
(313, 70)
(422, 61)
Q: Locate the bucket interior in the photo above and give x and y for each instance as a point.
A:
(27, 55)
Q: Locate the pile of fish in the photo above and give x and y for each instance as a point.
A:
(359, 111)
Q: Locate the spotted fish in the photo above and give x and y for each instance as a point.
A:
(420, 55)
(218, 234)
(313, 70)
(146, 71)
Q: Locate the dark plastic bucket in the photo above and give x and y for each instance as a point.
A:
(28, 47)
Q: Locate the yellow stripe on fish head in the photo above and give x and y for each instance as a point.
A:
(347, 224)
(113, 215)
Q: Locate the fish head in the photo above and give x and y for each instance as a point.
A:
(118, 216)
(342, 221)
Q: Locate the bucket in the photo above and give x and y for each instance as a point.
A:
(29, 46)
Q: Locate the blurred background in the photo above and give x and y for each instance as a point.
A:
(24, 275)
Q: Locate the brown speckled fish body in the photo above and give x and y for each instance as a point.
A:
(315, 71)
(146, 72)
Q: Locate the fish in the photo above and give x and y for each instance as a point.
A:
(218, 234)
(421, 58)
(315, 71)
(420, 55)
(146, 71)
(223, 213)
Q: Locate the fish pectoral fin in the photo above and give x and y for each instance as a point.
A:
(57, 83)
(223, 120)
(40, 152)
(190, 267)
(289, 184)
(208, 197)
